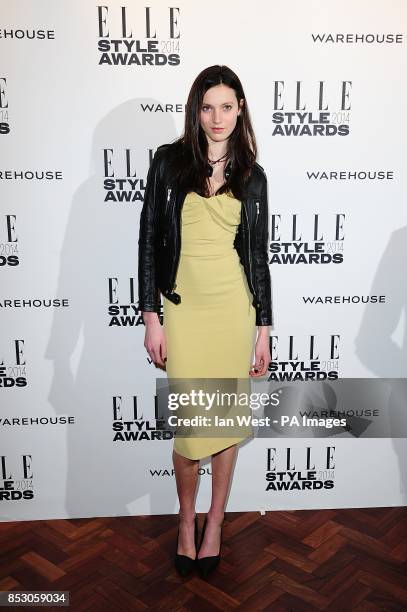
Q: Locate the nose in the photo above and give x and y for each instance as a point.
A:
(216, 116)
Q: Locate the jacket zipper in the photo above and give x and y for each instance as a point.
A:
(250, 255)
(165, 211)
(168, 198)
(179, 253)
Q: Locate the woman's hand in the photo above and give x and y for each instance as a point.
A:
(262, 352)
(154, 340)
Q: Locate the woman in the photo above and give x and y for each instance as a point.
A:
(204, 232)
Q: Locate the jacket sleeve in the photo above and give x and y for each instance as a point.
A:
(264, 314)
(148, 292)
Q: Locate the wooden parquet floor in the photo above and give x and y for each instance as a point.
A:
(340, 560)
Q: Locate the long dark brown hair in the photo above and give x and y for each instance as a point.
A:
(190, 166)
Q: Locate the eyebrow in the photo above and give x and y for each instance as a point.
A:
(206, 103)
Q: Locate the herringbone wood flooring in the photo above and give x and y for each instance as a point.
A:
(301, 560)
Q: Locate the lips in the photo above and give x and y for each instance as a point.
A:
(217, 129)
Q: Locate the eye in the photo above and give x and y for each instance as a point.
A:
(205, 107)
(228, 106)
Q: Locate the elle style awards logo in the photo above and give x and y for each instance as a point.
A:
(300, 468)
(123, 180)
(13, 365)
(136, 35)
(9, 244)
(4, 107)
(123, 309)
(129, 423)
(304, 108)
(16, 477)
(307, 239)
(306, 358)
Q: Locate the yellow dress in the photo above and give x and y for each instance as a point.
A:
(211, 333)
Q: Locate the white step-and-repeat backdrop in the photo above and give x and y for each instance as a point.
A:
(87, 93)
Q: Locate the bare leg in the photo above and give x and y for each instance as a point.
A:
(222, 464)
(186, 476)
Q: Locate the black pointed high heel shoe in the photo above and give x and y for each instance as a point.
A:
(183, 563)
(206, 565)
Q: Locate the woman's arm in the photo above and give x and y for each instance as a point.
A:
(262, 352)
(155, 341)
(264, 314)
(148, 292)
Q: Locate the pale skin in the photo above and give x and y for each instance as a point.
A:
(219, 108)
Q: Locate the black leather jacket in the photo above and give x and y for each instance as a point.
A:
(160, 238)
